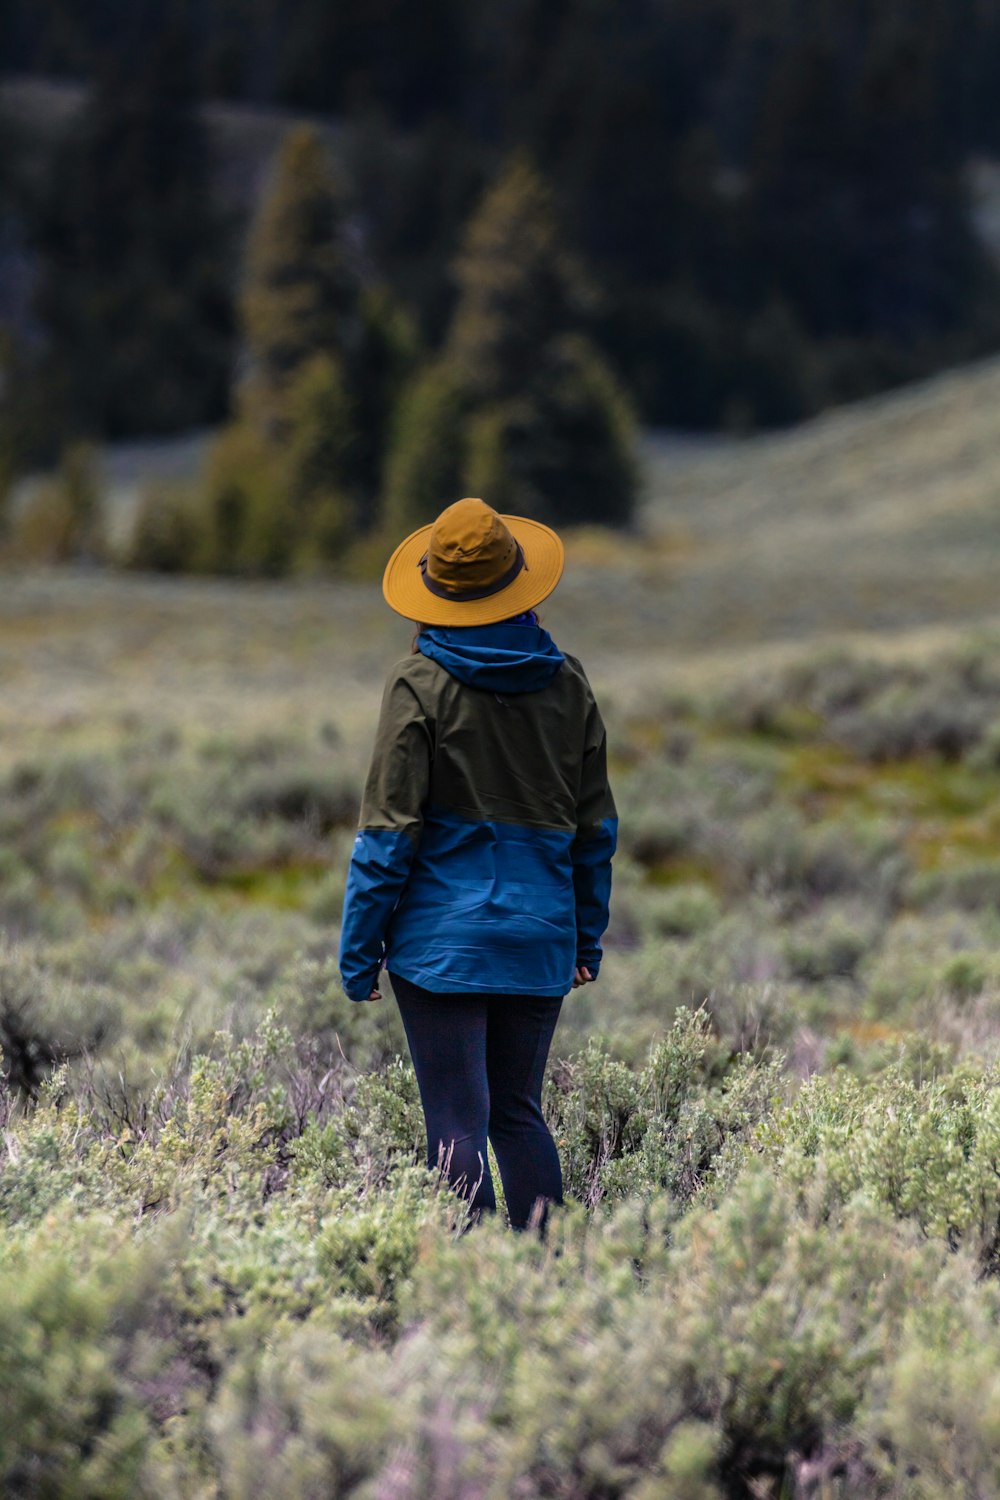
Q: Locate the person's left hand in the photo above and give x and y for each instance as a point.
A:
(376, 994)
(582, 976)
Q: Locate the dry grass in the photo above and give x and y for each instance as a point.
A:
(877, 525)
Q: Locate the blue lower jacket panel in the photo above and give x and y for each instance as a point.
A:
(476, 906)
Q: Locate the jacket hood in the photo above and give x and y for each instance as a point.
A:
(503, 658)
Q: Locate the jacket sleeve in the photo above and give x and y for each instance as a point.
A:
(594, 845)
(391, 821)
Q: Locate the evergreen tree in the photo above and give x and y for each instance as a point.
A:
(522, 408)
(518, 287)
(858, 214)
(307, 308)
(302, 289)
(132, 294)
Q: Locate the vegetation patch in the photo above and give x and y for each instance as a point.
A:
(776, 1117)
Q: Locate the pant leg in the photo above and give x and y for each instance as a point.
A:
(518, 1036)
(446, 1035)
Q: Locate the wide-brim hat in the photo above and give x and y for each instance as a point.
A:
(473, 566)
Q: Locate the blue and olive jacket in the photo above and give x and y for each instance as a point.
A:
(483, 859)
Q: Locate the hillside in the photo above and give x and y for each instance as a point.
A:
(883, 516)
(881, 520)
(777, 1112)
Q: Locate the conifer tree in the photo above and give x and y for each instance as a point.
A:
(302, 290)
(518, 286)
(324, 347)
(522, 408)
(132, 297)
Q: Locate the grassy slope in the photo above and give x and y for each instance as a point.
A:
(882, 520)
(213, 1229)
(884, 516)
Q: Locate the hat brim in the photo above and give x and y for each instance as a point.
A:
(405, 591)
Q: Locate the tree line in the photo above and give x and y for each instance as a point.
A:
(752, 212)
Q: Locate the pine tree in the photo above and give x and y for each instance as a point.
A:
(518, 286)
(522, 408)
(302, 291)
(132, 296)
(306, 308)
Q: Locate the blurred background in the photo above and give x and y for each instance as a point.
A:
(278, 280)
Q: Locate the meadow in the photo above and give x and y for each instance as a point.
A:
(223, 1270)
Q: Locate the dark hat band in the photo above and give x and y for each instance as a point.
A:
(460, 596)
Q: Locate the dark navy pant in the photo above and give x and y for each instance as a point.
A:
(479, 1061)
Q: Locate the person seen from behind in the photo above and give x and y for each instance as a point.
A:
(481, 872)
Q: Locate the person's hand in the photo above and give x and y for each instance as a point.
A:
(376, 994)
(582, 976)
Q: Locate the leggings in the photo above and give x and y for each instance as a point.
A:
(479, 1061)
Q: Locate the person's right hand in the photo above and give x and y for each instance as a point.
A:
(582, 976)
(376, 994)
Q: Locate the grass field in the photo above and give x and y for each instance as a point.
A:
(224, 1272)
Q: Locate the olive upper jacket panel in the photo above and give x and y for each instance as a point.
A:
(483, 858)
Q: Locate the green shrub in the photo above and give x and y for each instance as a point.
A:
(671, 1125)
(299, 1416)
(684, 910)
(366, 1254)
(965, 975)
(934, 1428)
(247, 523)
(45, 1021)
(925, 1149)
(829, 945)
(165, 532)
(973, 886)
(69, 1423)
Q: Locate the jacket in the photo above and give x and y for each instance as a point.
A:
(483, 858)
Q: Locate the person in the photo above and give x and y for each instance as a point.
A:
(481, 872)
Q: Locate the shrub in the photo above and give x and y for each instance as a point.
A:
(246, 521)
(165, 533)
(684, 910)
(973, 887)
(62, 520)
(668, 1126)
(935, 1428)
(297, 1416)
(45, 1021)
(69, 1424)
(925, 1149)
(932, 718)
(829, 945)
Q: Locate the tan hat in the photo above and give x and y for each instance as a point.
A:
(473, 566)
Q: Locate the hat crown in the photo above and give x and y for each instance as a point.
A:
(470, 546)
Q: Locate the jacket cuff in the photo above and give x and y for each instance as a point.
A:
(360, 989)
